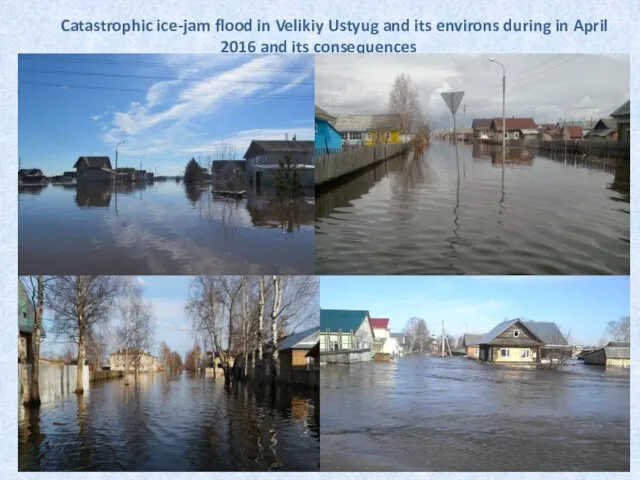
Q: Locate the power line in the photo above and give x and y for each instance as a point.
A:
(123, 89)
(59, 58)
(534, 78)
(156, 77)
(523, 74)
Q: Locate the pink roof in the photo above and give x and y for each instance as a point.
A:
(379, 323)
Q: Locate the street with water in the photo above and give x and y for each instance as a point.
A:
(172, 423)
(425, 413)
(461, 210)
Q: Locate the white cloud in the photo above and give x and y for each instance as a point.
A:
(547, 87)
(140, 280)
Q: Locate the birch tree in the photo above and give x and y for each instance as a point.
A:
(80, 304)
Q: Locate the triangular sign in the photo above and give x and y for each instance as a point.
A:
(452, 99)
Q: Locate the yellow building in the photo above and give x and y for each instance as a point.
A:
(383, 129)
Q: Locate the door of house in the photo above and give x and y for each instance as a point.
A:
(258, 182)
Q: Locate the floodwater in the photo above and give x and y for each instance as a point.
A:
(442, 213)
(161, 228)
(173, 423)
(453, 414)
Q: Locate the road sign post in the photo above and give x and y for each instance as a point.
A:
(453, 99)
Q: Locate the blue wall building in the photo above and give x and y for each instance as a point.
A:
(327, 137)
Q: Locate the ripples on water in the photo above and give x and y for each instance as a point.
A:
(433, 414)
(438, 214)
(162, 228)
(173, 424)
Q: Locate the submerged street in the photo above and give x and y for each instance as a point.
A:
(173, 423)
(442, 213)
(432, 414)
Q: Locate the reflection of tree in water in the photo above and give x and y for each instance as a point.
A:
(286, 214)
(133, 416)
(31, 439)
(412, 173)
(193, 192)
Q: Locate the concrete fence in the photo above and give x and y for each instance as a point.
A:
(346, 356)
(55, 381)
(101, 375)
(332, 166)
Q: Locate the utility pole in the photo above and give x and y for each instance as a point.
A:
(116, 171)
(504, 94)
(443, 339)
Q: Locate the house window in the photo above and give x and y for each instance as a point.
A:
(333, 345)
(368, 136)
(388, 136)
(504, 352)
(506, 135)
(524, 353)
(516, 333)
(515, 135)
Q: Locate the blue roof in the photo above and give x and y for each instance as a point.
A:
(344, 320)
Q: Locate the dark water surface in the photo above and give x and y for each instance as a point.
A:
(162, 228)
(173, 424)
(453, 414)
(441, 214)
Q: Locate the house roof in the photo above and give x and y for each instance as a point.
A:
(365, 123)
(614, 350)
(300, 341)
(547, 126)
(623, 110)
(585, 124)
(29, 171)
(481, 123)
(548, 332)
(500, 328)
(93, 162)
(324, 115)
(515, 124)
(258, 147)
(574, 131)
(315, 350)
(379, 323)
(606, 124)
(471, 339)
(464, 131)
(344, 320)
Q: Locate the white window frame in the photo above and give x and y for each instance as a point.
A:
(517, 332)
(504, 353)
(525, 353)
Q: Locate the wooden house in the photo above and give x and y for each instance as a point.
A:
(571, 132)
(327, 138)
(622, 116)
(614, 354)
(263, 158)
(481, 128)
(93, 169)
(33, 176)
(470, 345)
(515, 130)
(605, 129)
(313, 356)
(345, 336)
(369, 129)
(292, 354)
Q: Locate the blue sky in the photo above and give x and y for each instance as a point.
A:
(168, 108)
(582, 305)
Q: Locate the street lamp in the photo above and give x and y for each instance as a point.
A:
(504, 128)
(115, 173)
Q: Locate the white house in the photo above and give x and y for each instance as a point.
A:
(345, 336)
(144, 361)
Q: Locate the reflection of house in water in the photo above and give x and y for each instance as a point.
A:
(93, 195)
(514, 156)
(268, 211)
(35, 189)
(194, 192)
(622, 180)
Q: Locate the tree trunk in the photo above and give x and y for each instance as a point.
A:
(81, 357)
(277, 299)
(24, 374)
(34, 391)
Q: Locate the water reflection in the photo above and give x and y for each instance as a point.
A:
(436, 213)
(514, 420)
(162, 228)
(31, 189)
(209, 428)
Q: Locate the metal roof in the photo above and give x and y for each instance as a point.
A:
(501, 327)
(344, 320)
(302, 340)
(366, 123)
(481, 123)
(258, 147)
(471, 339)
(614, 350)
(324, 115)
(548, 332)
(623, 110)
(94, 162)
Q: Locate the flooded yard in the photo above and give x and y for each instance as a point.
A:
(172, 423)
(453, 414)
(161, 228)
(465, 212)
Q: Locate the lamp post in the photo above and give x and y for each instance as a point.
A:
(115, 173)
(504, 128)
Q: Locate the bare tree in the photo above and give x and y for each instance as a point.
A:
(556, 353)
(80, 304)
(620, 330)
(135, 331)
(404, 100)
(416, 334)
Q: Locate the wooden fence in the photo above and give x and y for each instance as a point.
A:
(334, 165)
(597, 148)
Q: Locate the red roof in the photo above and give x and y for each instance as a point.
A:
(574, 131)
(516, 124)
(379, 323)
